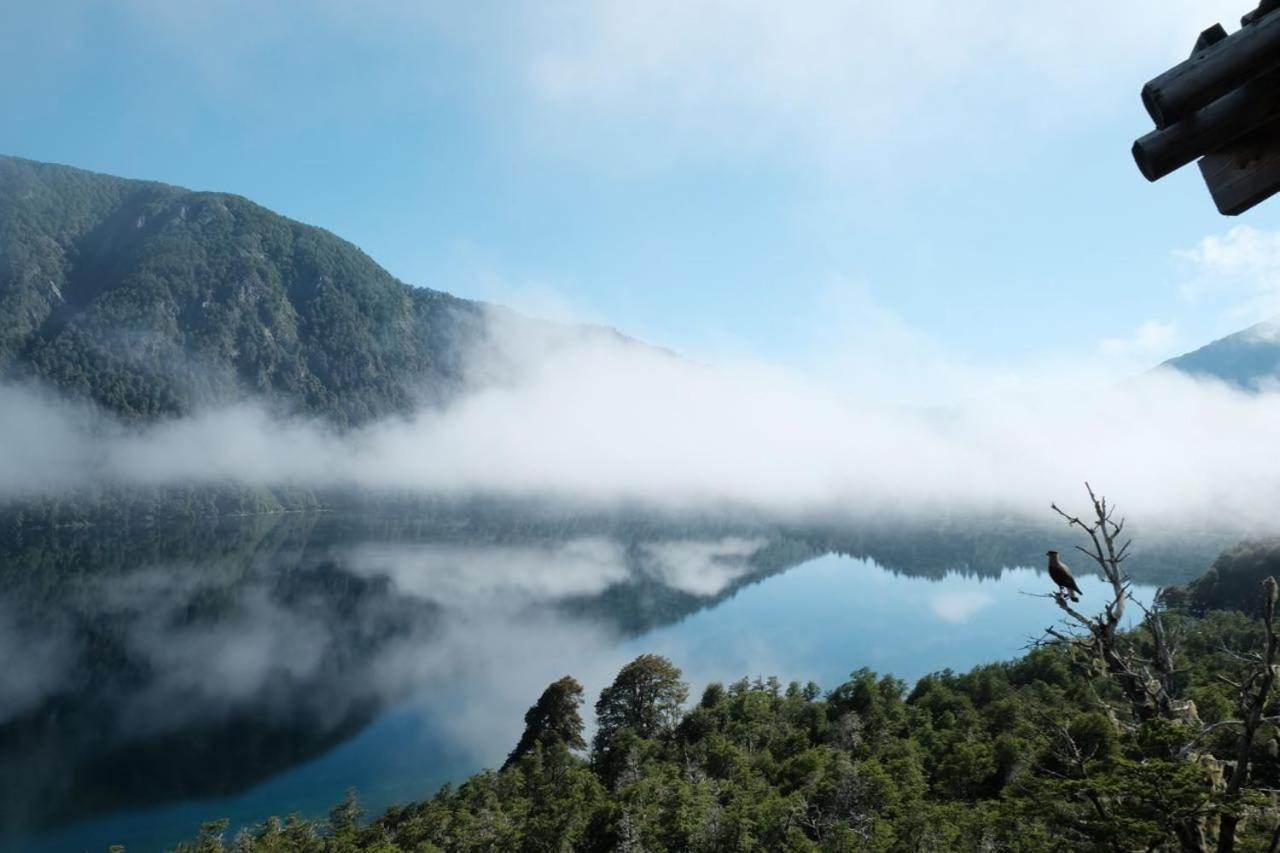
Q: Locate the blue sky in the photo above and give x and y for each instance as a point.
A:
(776, 181)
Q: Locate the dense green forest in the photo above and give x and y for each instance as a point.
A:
(152, 300)
(1058, 750)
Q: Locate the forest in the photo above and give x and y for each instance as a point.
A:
(150, 300)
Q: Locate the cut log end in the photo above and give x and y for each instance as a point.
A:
(1144, 163)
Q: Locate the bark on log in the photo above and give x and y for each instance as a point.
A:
(1244, 173)
(1208, 75)
(1232, 116)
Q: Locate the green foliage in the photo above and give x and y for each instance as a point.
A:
(1015, 756)
(1233, 581)
(644, 699)
(152, 300)
(554, 719)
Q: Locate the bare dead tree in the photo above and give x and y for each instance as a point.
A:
(1149, 697)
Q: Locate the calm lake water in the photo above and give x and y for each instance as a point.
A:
(154, 679)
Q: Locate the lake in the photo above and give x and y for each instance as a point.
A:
(154, 678)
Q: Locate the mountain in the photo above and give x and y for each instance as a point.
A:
(1248, 359)
(152, 300)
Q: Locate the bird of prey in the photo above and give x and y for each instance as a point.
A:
(1061, 575)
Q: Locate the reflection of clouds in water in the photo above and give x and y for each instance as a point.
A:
(481, 674)
(702, 567)
(958, 606)
(214, 640)
(235, 657)
(218, 637)
(467, 577)
(483, 670)
(168, 646)
(148, 588)
(33, 661)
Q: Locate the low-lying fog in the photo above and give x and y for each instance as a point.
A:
(594, 419)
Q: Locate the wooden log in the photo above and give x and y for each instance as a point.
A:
(1246, 172)
(1209, 37)
(1209, 74)
(1225, 120)
(1266, 7)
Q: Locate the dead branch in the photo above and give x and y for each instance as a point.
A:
(1148, 697)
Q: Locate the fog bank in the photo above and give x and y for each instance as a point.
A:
(599, 420)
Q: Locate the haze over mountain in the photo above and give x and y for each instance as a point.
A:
(1247, 359)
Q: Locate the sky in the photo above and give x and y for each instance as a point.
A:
(811, 184)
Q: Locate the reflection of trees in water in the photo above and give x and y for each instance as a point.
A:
(151, 701)
(193, 662)
(986, 550)
(644, 601)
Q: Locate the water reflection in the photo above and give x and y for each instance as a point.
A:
(153, 678)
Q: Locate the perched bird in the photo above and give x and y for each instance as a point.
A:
(1061, 575)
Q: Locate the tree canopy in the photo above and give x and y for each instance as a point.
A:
(553, 720)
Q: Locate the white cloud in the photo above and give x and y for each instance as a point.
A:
(702, 568)
(1240, 268)
(1242, 252)
(1152, 340)
(645, 84)
(959, 606)
(674, 78)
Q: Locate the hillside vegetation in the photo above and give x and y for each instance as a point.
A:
(1231, 583)
(152, 300)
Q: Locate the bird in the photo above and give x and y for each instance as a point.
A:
(1061, 575)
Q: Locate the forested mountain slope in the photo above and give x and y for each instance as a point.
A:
(152, 300)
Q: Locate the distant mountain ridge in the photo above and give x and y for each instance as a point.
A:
(1248, 359)
(153, 300)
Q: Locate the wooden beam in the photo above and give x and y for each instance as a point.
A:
(1266, 7)
(1210, 129)
(1208, 38)
(1212, 72)
(1246, 172)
